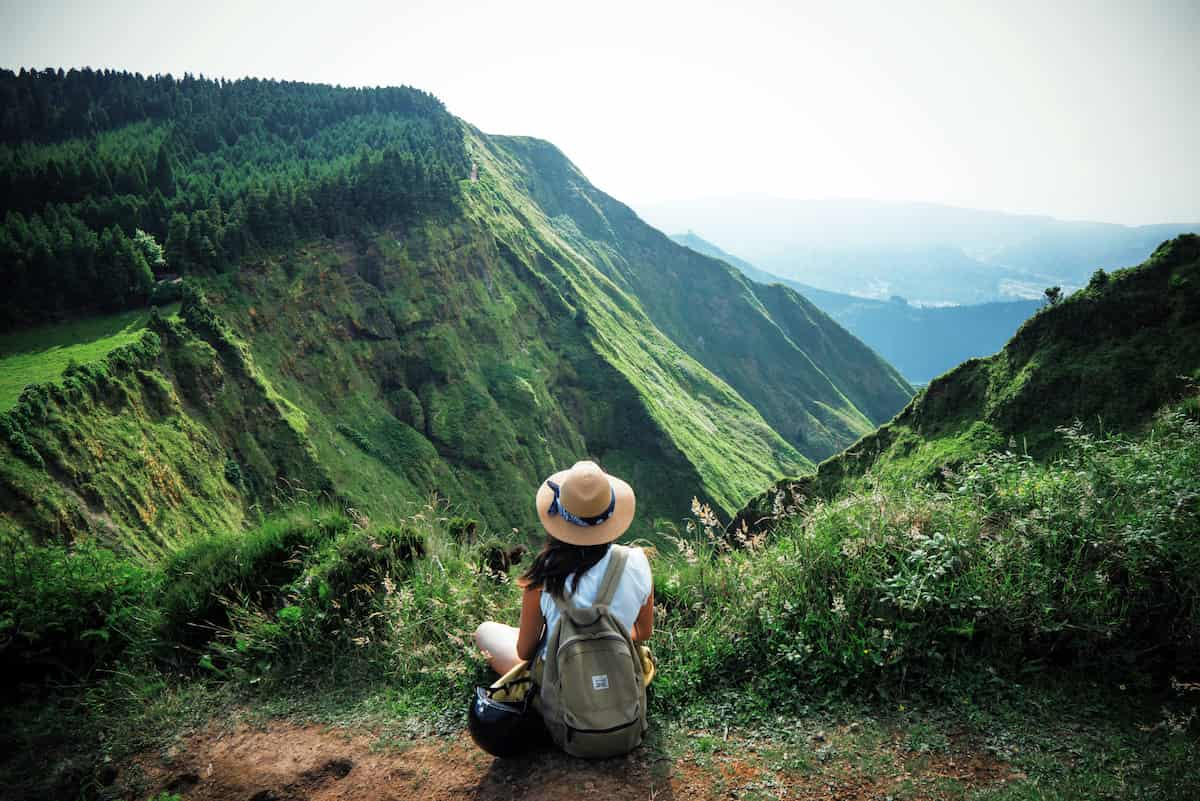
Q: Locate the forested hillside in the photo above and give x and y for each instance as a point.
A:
(379, 303)
(213, 171)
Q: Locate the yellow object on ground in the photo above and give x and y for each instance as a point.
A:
(514, 685)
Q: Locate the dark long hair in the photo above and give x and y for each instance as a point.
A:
(557, 561)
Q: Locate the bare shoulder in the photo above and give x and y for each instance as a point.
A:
(639, 559)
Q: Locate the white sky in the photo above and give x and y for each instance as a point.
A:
(1080, 110)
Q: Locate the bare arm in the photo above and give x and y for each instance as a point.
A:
(643, 627)
(533, 622)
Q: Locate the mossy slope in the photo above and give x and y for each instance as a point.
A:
(173, 435)
(814, 383)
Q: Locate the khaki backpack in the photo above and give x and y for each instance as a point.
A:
(593, 691)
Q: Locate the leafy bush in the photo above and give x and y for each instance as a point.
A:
(10, 429)
(404, 598)
(462, 529)
(358, 562)
(205, 580)
(1090, 560)
(66, 611)
(355, 436)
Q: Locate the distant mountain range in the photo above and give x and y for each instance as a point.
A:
(920, 341)
(926, 253)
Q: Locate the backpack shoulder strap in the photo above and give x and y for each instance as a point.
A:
(612, 576)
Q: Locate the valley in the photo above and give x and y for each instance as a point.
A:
(284, 365)
(922, 342)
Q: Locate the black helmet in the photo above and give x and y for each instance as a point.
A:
(502, 729)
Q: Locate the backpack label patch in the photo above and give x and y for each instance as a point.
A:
(600, 682)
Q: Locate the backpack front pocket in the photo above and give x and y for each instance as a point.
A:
(599, 688)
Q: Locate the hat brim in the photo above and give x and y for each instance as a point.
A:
(609, 530)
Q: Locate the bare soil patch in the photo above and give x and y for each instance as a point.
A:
(288, 762)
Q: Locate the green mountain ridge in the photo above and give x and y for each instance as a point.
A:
(466, 343)
(922, 342)
(1107, 358)
(809, 379)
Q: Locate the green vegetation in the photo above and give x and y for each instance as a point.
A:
(1014, 573)
(812, 382)
(1011, 564)
(42, 354)
(402, 332)
(1108, 355)
(135, 449)
(248, 503)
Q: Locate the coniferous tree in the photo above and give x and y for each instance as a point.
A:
(151, 251)
(178, 257)
(164, 176)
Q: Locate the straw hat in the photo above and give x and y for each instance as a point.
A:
(584, 505)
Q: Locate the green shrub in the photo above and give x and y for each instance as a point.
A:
(233, 473)
(358, 561)
(462, 529)
(500, 557)
(66, 611)
(10, 429)
(1088, 561)
(205, 580)
(355, 436)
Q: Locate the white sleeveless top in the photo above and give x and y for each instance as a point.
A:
(632, 591)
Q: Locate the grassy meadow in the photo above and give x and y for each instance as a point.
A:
(39, 355)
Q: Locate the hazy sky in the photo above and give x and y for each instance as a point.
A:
(1080, 110)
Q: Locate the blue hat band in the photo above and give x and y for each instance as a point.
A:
(558, 510)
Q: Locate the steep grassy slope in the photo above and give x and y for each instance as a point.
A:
(440, 355)
(455, 370)
(922, 342)
(818, 395)
(450, 374)
(1108, 356)
(175, 434)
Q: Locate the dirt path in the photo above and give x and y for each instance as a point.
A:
(287, 762)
